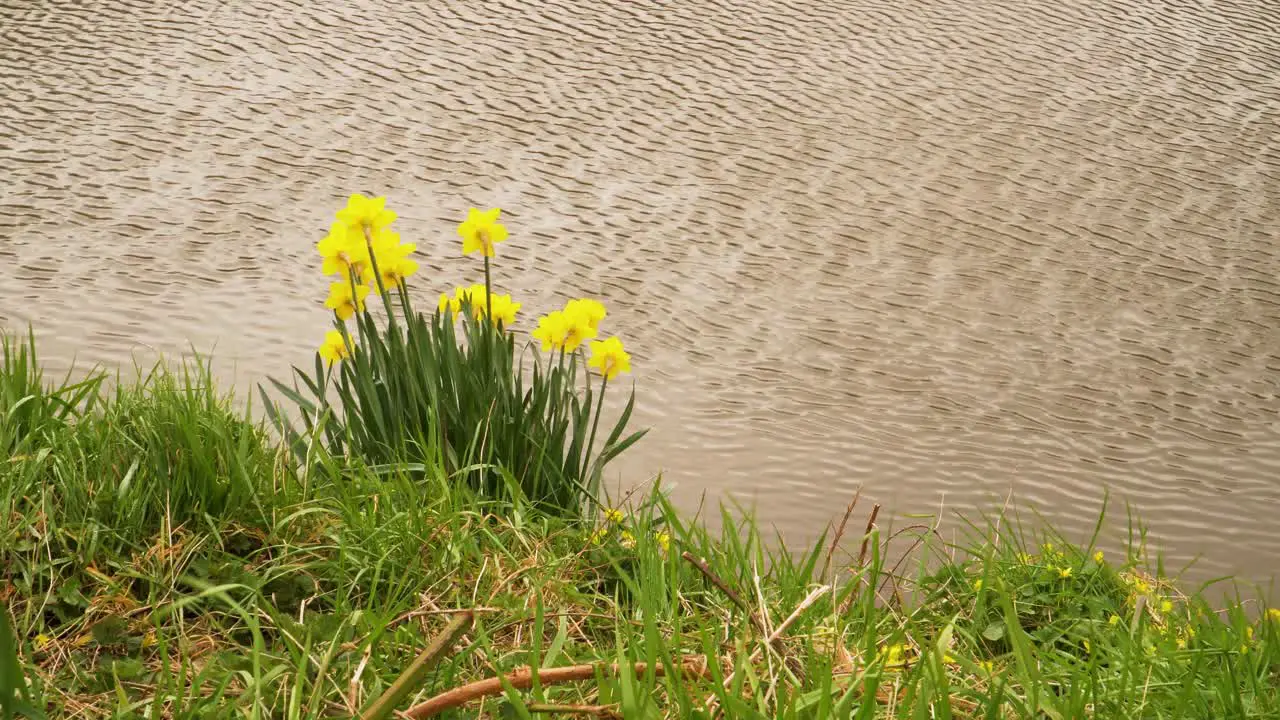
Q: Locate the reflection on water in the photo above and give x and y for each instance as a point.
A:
(938, 249)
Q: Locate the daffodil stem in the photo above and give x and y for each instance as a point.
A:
(595, 423)
(488, 291)
(377, 277)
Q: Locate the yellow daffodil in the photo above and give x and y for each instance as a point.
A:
(481, 231)
(552, 331)
(578, 326)
(341, 301)
(590, 312)
(393, 261)
(663, 540)
(612, 516)
(363, 213)
(334, 347)
(1064, 573)
(343, 252)
(504, 310)
(448, 305)
(1097, 557)
(609, 358)
(627, 539)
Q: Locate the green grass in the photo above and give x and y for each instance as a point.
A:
(161, 558)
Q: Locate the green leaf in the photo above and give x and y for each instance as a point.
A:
(994, 630)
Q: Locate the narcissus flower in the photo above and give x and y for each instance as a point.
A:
(341, 301)
(334, 347)
(343, 251)
(392, 257)
(609, 357)
(504, 310)
(366, 213)
(552, 331)
(481, 231)
(590, 312)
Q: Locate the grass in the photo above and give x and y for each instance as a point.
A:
(162, 557)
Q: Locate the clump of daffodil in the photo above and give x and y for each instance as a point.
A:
(346, 299)
(609, 358)
(334, 347)
(343, 252)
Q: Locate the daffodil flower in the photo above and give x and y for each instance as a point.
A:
(393, 261)
(363, 213)
(481, 231)
(609, 358)
(334, 347)
(590, 312)
(343, 252)
(342, 302)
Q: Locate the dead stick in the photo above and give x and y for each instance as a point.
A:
(826, 564)
(413, 676)
(728, 591)
(604, 711)
(522, 679)
(866, 536)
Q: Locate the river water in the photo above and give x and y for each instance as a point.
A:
(942, 250)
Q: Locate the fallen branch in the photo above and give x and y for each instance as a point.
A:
(412, 677)
(522, 679)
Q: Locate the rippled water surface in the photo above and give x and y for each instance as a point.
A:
(941, 249)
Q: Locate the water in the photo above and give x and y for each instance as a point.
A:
(940, 250)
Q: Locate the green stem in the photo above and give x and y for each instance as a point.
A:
(377, 276)
(595, 423)
(488, 291)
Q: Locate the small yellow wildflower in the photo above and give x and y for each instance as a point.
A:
(1113, 620)
(627, 539)
(364, 212)
(987, 665)
(1248, 632)
(599, 535)
(1064, 573)
(609, 357)
(663, 539)
(552, 331)
(1025, 559)
(43, 641)
(1273, 614)
(1166, 606)
(1181, 642)
(341, 301)
(481, 231)
(977, 584)
(334, 347)
(896, 655)
(1088, 646)
(591, 311)
(343, 252)
(1097, 557)
(613, 516)
(149, 639)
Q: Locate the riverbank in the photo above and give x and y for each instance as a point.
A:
(161, 556)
